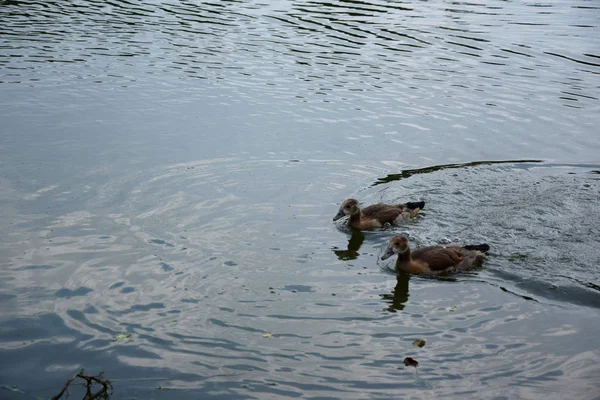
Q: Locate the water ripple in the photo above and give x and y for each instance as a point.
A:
(353, 41)
(228, 285)
(170, 170)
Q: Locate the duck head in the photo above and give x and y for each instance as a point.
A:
(348, 207)
(398, 245)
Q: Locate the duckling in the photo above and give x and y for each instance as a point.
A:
(376, 215)
(434, 259)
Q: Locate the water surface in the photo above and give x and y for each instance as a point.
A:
(170, 170)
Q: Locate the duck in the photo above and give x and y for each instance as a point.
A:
(376, 215)
(434, 259)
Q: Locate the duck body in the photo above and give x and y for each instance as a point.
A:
(377, 215)
(434, 259)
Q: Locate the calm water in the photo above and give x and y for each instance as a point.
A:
(170, 169)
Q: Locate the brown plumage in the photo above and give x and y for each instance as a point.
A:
(376, 215)
(434, 259)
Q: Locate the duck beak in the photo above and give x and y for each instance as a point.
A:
(339, 215)
(388, 253)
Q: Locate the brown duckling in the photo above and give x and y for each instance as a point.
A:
(376, 215)
(434, 259)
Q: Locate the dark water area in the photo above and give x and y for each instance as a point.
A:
(169, 171)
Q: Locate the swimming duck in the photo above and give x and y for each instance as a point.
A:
(376, 215)
(434, 259)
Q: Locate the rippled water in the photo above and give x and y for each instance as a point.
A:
(170, 170)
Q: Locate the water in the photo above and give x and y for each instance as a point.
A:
(170, 170)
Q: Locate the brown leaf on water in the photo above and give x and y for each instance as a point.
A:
(419, 342)
(411, 362)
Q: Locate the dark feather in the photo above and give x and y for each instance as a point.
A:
(484, 247)
(412, 205)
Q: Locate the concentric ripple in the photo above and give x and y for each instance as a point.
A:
(239, 289)
(170, 170)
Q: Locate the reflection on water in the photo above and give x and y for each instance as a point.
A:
(422, 83)
(354, 243)
(410, 172)
(399, 296)
(197, 262)
(169, 169)
(328, 50)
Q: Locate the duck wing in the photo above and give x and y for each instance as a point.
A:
(381, 212)
(373, 209)
(438, 258)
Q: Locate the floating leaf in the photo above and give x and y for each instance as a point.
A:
(451, 308)
(411, 362)
(267, 335)
(419, 343)
(121, 336)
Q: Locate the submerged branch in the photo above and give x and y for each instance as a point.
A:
(103, 393)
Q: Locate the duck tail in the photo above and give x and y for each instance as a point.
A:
(413, 205)
(484, 247)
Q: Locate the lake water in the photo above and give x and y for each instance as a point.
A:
(170, 169)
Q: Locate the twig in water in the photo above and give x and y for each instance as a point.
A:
(103, 393)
